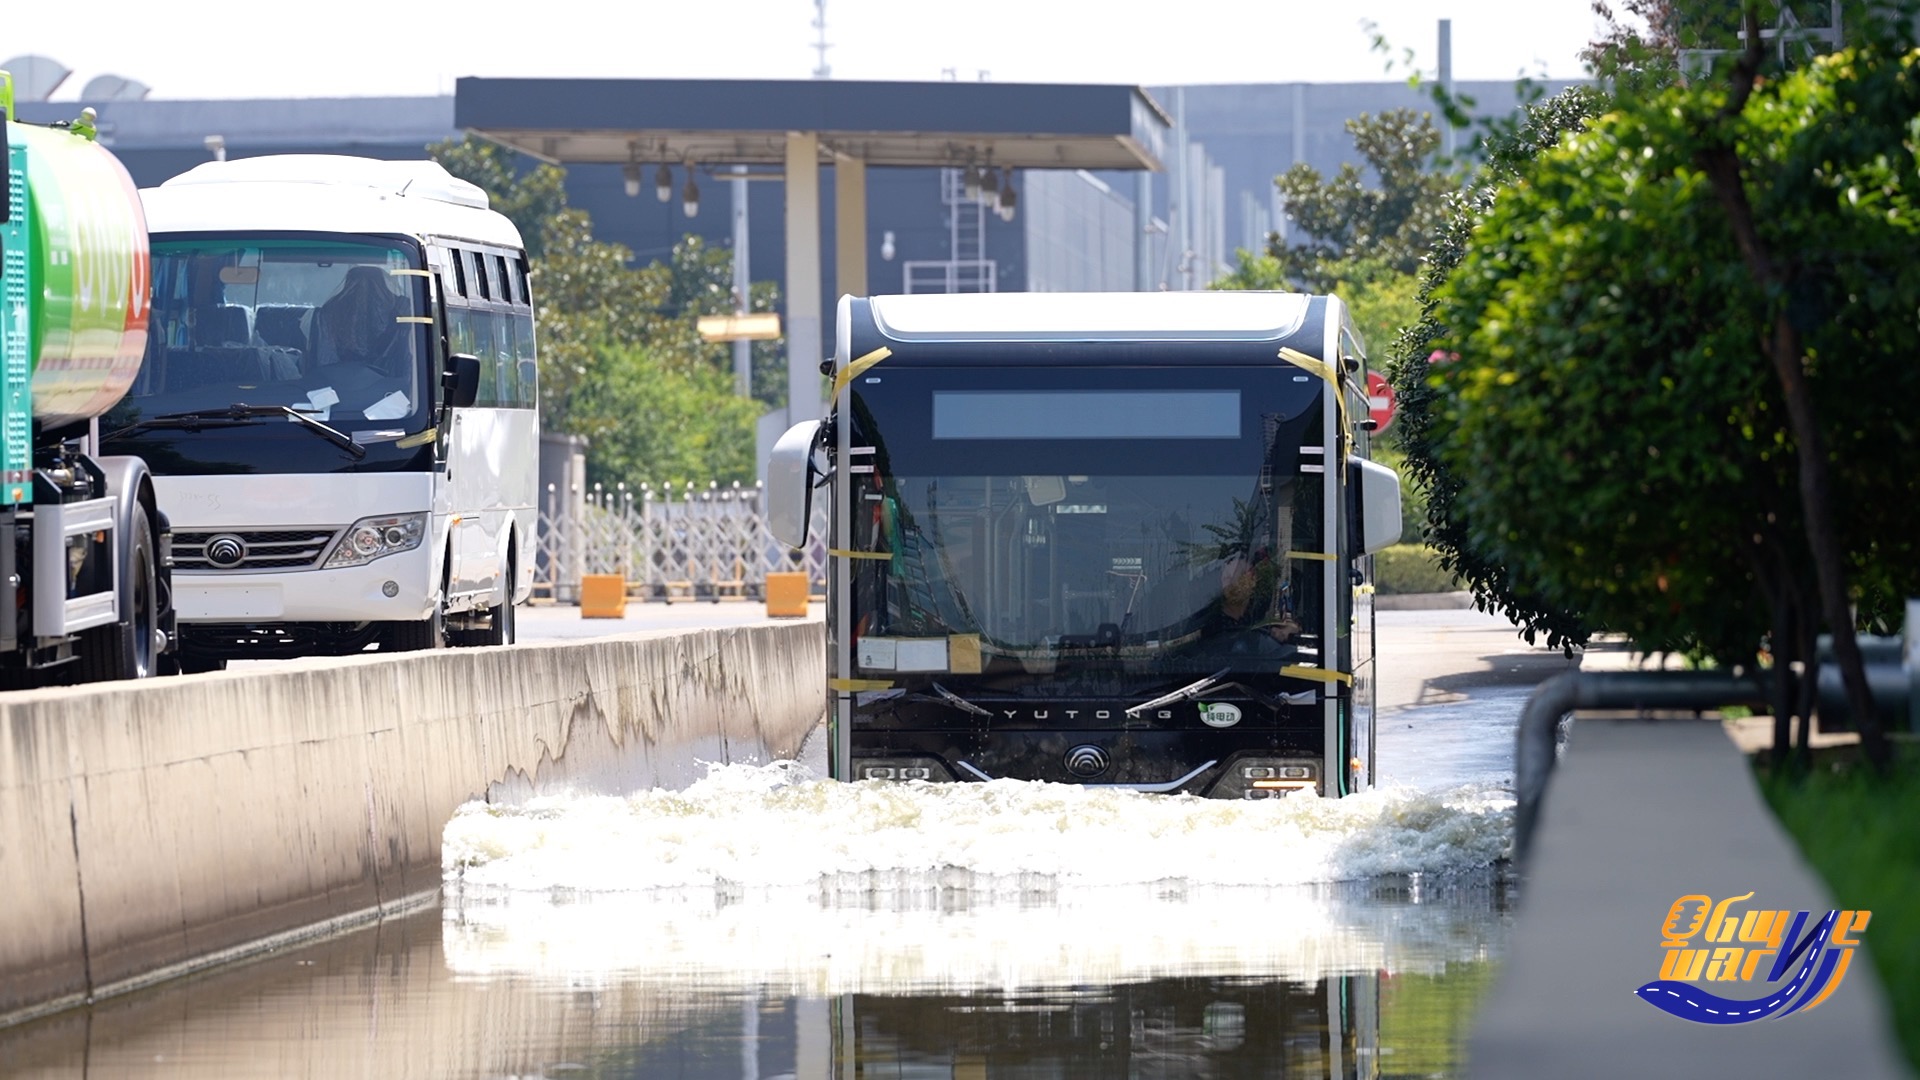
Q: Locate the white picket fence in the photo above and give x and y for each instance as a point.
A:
(669, 543)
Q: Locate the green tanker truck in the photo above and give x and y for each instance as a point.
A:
(85, 584)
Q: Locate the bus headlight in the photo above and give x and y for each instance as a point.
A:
(900, 769)
(372, 538)
(1267, 778)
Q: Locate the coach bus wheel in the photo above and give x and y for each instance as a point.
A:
(500, 628)
(506, 618)
(419, 635)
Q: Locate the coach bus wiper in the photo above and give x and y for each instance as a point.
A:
(959, 702)
(1192, 690)
(237, 413)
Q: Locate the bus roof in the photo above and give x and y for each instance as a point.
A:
(326, 193)
(1226, 315)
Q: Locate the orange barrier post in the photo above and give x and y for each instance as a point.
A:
(787, 595)
(603, 596)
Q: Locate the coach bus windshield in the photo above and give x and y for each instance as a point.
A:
(337, 329)
(1191, 545)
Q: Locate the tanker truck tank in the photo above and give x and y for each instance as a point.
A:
(86, 571)
(88, 252)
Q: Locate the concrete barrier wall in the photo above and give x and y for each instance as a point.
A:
(150, 829)
(381, 1003)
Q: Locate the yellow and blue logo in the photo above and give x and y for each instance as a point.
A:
(1736, 945)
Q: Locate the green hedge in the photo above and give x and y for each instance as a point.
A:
(1411, 568)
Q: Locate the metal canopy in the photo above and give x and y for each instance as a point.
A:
(747, 122)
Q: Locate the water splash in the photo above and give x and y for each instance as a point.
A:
(745, 831)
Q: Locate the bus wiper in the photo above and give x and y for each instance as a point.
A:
(238, 413)
(959, 702)
(1191, 690)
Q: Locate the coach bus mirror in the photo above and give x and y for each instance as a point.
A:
(790, 475)
(1377, 490)
(1046, 490)
(462, 380)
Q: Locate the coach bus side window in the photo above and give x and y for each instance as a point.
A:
(480, 276)
(499, 365)
(528, 381)
(460, 330)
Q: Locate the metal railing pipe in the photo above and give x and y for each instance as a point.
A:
(1536, 742)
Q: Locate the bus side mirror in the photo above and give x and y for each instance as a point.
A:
(462, 380)
(790, 476)
(1376, 490)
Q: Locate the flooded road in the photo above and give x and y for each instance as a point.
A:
(764, 924)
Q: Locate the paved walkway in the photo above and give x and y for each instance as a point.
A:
(1640, 813)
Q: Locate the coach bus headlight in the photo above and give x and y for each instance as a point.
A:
(918, 768)
(375, 537)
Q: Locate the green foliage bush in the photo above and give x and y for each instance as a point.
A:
(1614, 429)
(1411, 568)
(1445, 527)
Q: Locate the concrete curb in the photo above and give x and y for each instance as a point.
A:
(1643, 812)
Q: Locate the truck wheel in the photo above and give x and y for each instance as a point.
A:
(124, 650)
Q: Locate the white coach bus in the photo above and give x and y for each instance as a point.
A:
(339, 404)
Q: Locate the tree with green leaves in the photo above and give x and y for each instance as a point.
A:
(530, 200)
(1447, 528)
(1673, 330)
(1340, 219)
(621, 359)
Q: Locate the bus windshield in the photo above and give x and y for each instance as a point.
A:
(1085, 535)
(1154, 574)
(336, 328)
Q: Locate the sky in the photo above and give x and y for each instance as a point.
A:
(187, 49)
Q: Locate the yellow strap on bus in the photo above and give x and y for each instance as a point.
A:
(850, 685)
(853, 370)
(428, 319)
(860, 554)
(402, 272)
(1314, 674)
(1326, 372)
(1312, 556)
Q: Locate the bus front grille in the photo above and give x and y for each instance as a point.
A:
(221, 552)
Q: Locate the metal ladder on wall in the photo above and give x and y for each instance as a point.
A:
(967, 268)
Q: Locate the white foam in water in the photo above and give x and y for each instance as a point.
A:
(1106, 936)
(765, 875)
(746, 829)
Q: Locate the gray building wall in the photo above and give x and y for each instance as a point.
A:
(1079, 233)
(1256, 131)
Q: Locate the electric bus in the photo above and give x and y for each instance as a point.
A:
(1103, 539)
(339, 402)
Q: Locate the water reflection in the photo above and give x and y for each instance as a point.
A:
(1358, 980)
